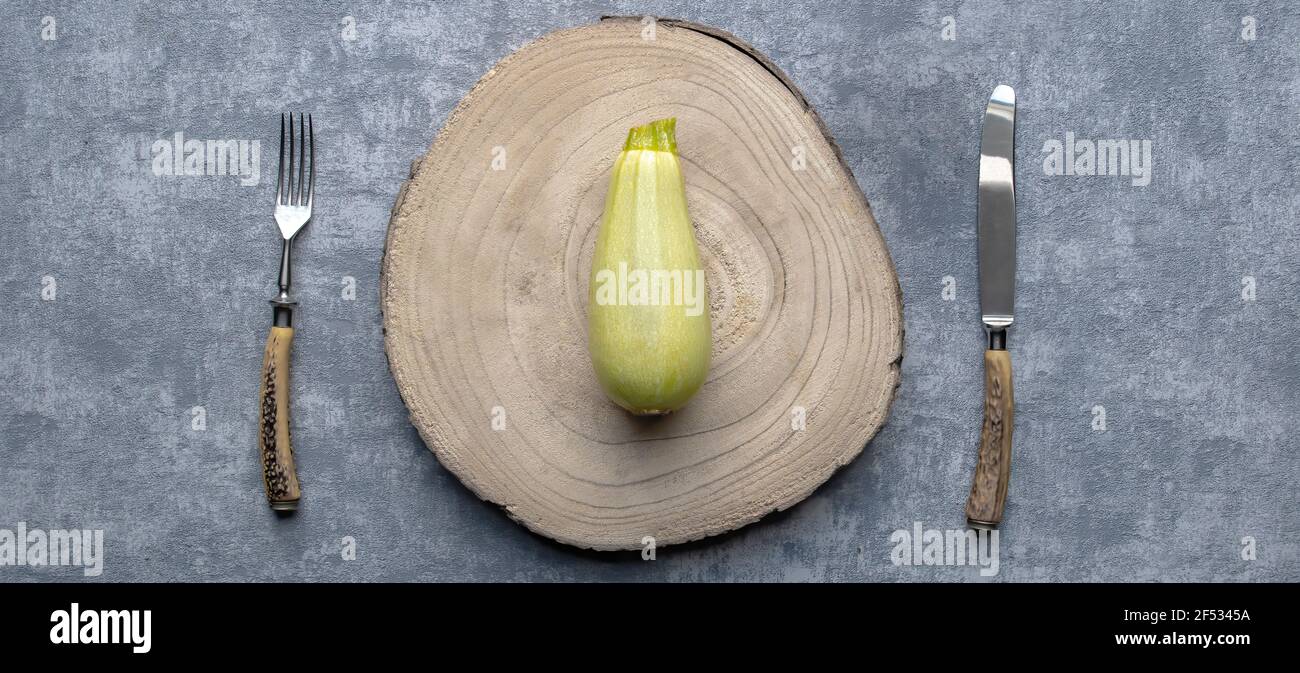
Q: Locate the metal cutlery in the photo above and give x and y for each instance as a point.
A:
(293, 201)
(997, 279)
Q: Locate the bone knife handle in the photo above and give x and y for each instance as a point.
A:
(988, 491)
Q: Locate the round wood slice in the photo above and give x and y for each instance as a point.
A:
(484, 290)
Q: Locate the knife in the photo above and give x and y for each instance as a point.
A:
(997, 273)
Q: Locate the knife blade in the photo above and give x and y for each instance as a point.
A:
(997, 280)
(997, 211)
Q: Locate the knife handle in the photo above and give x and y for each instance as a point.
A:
(278, 473)
(988, 491)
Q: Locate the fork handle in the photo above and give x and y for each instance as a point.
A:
(278, 472)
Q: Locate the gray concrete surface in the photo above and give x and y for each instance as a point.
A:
(1132, 298)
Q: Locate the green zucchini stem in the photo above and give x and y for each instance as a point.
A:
(659, 136)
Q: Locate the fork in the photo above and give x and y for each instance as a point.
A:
(293, 199)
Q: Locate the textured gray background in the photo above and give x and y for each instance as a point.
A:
(1129, 297)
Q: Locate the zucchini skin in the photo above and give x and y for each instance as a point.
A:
(649, 331)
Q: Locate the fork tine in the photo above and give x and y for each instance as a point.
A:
(279, 177)
(311, 175)
(302, 160)
(289, 177)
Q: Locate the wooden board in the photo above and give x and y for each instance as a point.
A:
(484, 291)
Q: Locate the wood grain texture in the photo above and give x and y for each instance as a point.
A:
(278, 472)
(484, 291)
(988, 491)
